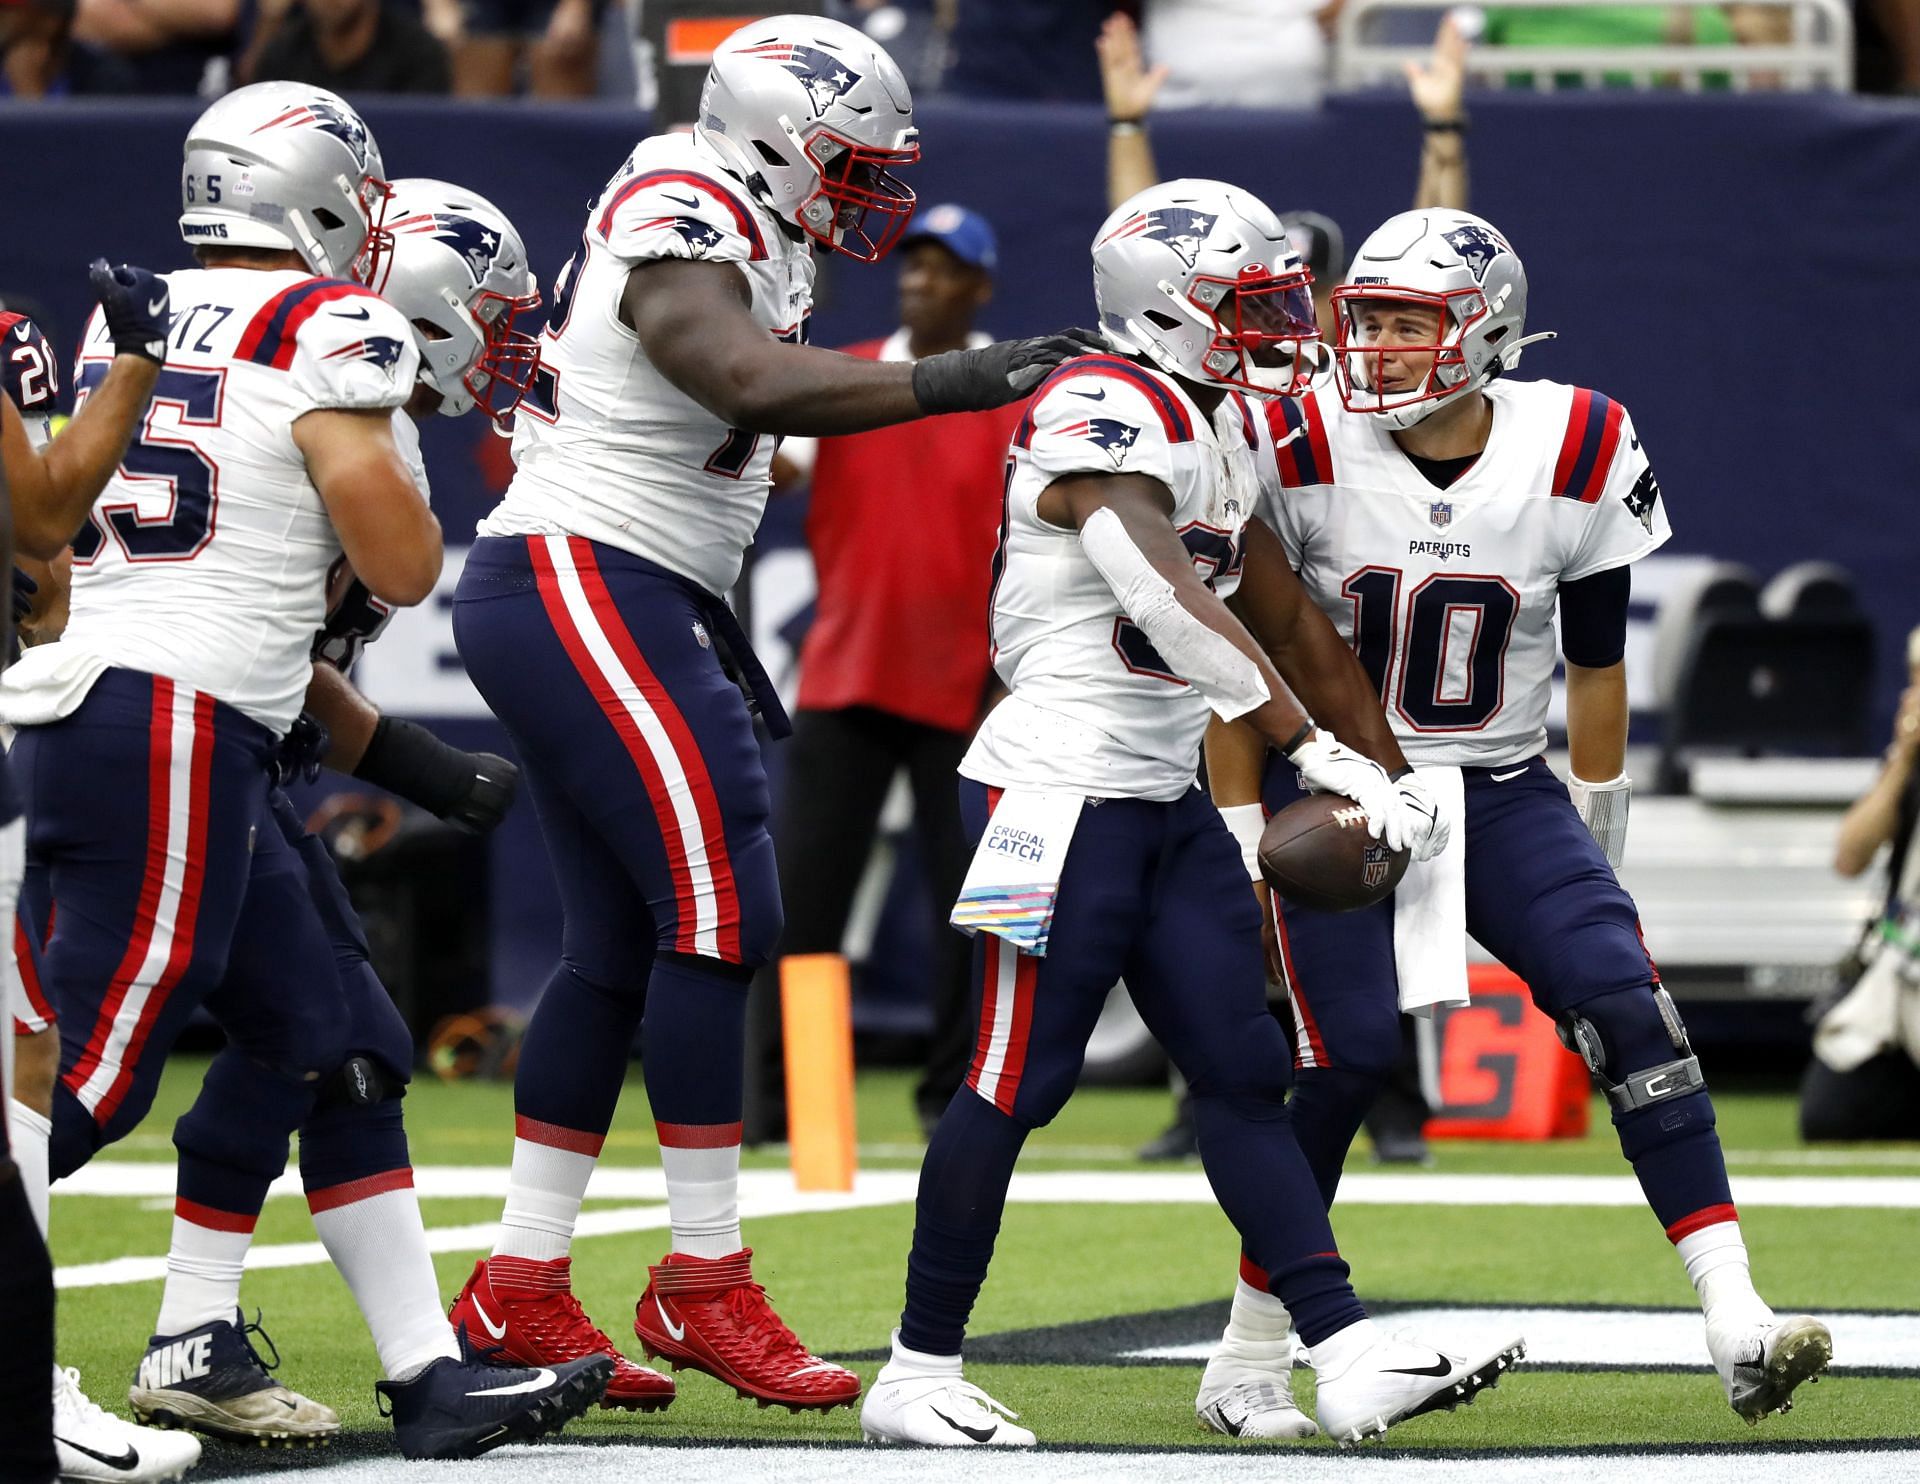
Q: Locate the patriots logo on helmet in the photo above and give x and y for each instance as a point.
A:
(383, 351)
(329, 120)
(825, 77)
(1478, 246)
(700, 238)
(1181, 227)
(1109, 433)
(1440, 512)
(477, 244)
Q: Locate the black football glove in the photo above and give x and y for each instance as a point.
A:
(996, 374)
(473, 790)
(301, 750)
(134, 302)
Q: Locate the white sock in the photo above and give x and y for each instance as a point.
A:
(1338, 1350)
(907, 1362)
(204, 1263)
(551, 1167)
(373, 1232)
(31, 1134)
(1716, 1263)
(703, 1190)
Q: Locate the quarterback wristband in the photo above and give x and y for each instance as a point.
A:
(1246, 822)
(407, 759)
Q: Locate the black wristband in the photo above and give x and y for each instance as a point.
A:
(1292, 743)
(1400, 772)
(407, 759)
(1447, 126)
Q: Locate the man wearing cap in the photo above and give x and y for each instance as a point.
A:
(902, 526)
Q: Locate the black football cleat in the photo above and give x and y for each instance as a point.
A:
(463, 1408)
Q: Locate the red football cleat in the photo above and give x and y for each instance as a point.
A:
(546, 1328)
(709, 1314)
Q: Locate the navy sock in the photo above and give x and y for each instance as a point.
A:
(233, 1140)
(1329, 1104)
(963, 1191)
(694, 1041)
(573, 1058)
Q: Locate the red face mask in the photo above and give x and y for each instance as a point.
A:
(504, 373)
(871, 205)
(1264, 322)
(1360, 369)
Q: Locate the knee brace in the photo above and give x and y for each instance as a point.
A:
(1638, 1059)
(360, 1082)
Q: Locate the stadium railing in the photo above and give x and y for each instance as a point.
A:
(1375, 38)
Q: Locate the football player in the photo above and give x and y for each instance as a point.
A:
(1439, 513)
(199, 580)
(591, 615)
(1133, 596)
(55, 481)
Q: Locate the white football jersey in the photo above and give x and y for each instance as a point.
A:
(1092, 707)
(205, 558)
(1448, 595)
(607, 447)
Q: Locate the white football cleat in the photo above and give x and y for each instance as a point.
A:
(1394, 1379)
(1761, 1364)
(93, 1444)
(937, 1412)
(1251, 1406)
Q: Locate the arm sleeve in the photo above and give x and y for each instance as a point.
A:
(354, 351)
(1628, 520)
(678, 214)
(1593, 618)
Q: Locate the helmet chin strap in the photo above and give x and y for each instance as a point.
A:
(1509, 356)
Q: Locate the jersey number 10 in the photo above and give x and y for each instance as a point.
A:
(1450, 643)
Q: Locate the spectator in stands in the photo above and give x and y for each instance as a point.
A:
(155, 46)
(33, 47)
(1240, 53)
(557, 42)
(1864, 1079)
(352, 47)
(895, 671)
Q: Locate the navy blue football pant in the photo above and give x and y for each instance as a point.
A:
(150, 835)
(640, 754)
(1155, 893)
(233, 1140)
(1543, 900)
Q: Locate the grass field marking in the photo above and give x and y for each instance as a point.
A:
(1586, 1338)
(562, 1462)
(1889, 1159)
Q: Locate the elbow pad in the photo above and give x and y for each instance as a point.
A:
(1603, 810)
(1206, 659)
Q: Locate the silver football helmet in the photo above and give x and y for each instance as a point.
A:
(813, 115)
(1454, 264)
(1202, 279)
(283, 165)
(457, 269)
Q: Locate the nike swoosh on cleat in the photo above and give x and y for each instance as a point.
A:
(127, 1461)
(678, 1331)
(1506, 777)
(349, 314)
(541, 1380)
(1099, 396)
(978, 1434)
(1440, 1367)
(499, 1331)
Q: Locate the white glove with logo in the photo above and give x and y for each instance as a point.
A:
(1603, 809)
(1327, 767)
(1430, 828)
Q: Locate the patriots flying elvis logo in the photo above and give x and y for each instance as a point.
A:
(825, 77)
(1109, 433)
(477, 244)
(329, 120)
(382, 350)
(700, 238)
(1479, 246)
(1181, 227)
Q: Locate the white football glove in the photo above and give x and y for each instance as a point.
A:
(1328, 767)
(1603, 810)
(1430, 828)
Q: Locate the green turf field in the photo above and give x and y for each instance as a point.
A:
(1080, 1285)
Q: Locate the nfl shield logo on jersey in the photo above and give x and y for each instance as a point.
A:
(1440, 512)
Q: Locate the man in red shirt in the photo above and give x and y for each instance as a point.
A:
(894, 672)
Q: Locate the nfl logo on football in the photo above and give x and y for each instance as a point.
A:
(1373, 866)
(1440, 512)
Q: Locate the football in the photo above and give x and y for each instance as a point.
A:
(1316, 853)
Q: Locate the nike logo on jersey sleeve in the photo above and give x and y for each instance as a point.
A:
(349, 314)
